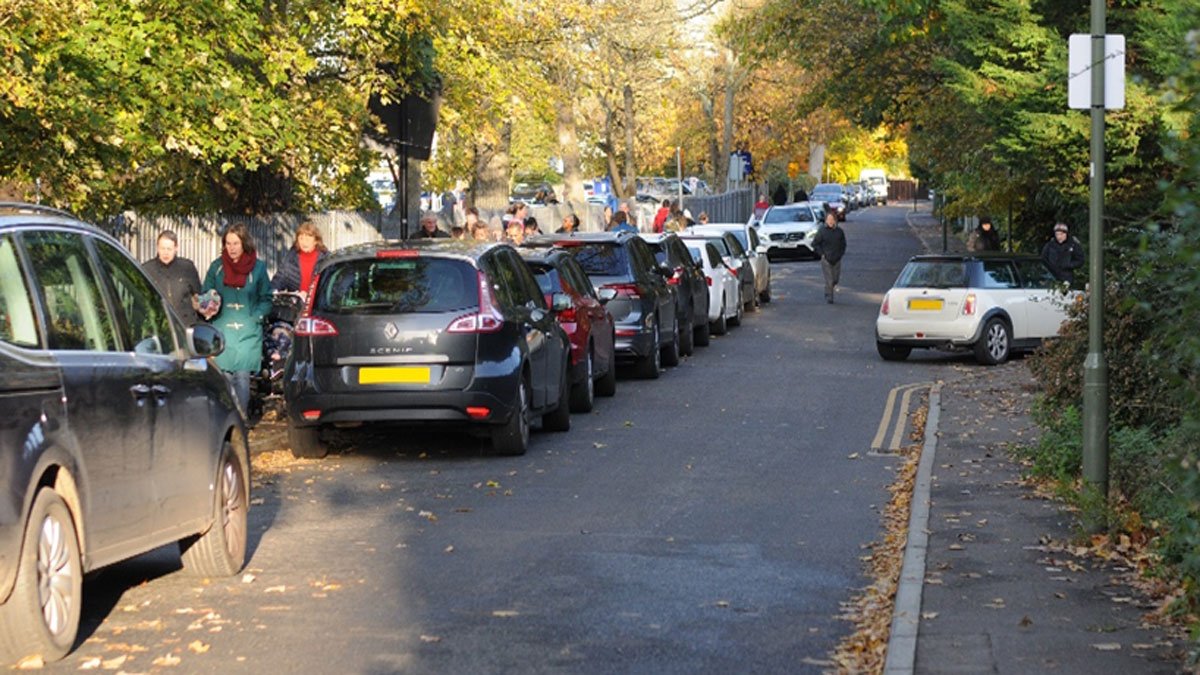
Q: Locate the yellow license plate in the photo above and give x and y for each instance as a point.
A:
(925, 304)
(394, 375)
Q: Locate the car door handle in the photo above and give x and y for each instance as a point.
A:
(140, 393)
(161, 394)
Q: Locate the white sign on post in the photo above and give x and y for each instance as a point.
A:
(1079, 72)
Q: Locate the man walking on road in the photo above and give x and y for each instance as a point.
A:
(830, 245)
(1063, 254)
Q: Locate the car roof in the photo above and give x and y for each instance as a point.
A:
(20, 215)
(548, 256)
(581, 237)
(980, 255)
(460, 248)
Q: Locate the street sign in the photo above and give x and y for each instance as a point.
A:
(1079, 72)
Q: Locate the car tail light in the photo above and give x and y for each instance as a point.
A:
(398, 253)
(626, 332)
(567, 315)
(478, 412)
(674, 280)
(313, 326)
(969, 305)
(628, 290)
(487, 320)
(708, 280)
(311, 415)
(883, 309)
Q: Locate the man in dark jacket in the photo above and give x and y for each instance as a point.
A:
(429, 228)
(830, 244)
(175, 277)
(1063, 254)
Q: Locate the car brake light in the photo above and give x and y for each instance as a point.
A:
(487, 320)
(884, 308)
(628, 290)
(674, 280)
(567, 315)
(708, 280)
(398, 253)
(969, 305)
(310, 415)
(478, 412)
(312, 326)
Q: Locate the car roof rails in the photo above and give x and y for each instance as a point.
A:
(24, 207)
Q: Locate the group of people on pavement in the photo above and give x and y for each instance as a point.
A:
(236, 293)
(1063, 254)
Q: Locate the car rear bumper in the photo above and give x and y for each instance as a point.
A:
(924, 335)
(632, 347)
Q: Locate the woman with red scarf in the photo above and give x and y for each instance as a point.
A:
(295, 272)
(241, 281)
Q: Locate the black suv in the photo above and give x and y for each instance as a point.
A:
(644, 308)
(120, 434)
(428, 332)
(691, 288)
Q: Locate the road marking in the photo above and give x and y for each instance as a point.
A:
(905, 392)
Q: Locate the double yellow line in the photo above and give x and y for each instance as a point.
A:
(905, 391)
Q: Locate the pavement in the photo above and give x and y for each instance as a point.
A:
(991, 582)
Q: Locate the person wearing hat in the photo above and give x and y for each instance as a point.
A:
(984, 237)
(1063, 254)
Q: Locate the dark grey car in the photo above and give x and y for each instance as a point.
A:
(118, 433)
(428, 332)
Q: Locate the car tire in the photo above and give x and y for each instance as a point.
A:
(892, 352)
(607, 384)
(994, 344)
(306, 442)
(49, 564)
(583, 393)
(221, 551)
(703, 334)
(765, 296)
(721, 325)
(687, 338)
(650, 365)
(559, 419)
(670, 351)
(512, 438)
(736, 320)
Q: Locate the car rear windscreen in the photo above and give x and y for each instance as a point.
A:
(606, 260)
(547, 278)
(804, 215)
(933, 274)
(397, 285)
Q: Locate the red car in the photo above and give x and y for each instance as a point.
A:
(588, 324)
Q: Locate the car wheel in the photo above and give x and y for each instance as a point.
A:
(306, 442)
(670, 351)
(583, 393)
(687, 338)
(221, 551)
(703, 334)
(736, 320)
(650, 365)
(721, 325)
(765, 296)
(892, 352)
(513, 437)
(992, 348)
(607, 384)
(41, 616)
(559, 419)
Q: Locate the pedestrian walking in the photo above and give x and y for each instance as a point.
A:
(1063, 254)
(761, 206)
(295, 272)
(176, 277)
(660, 218)
(984, 237)
(830, 245)
(241, 282)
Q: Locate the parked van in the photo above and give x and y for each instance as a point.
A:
(877, 179)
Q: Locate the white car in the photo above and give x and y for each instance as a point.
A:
(751, 241)
(789, 229)
(994, 304)
(724, 287)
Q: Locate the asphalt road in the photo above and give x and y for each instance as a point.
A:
(710, 521)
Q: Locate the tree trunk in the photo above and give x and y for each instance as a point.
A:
(614, 171)
(816, 160)
(568, 144)
(630, 164)
(727, 139)
(493, 169)
(714, 146)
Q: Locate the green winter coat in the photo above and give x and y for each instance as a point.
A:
(241, 316)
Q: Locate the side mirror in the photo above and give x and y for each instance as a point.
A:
(204, 340)
(606, 294)
(560, 302)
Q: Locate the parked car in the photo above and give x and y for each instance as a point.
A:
(428, 332)
(833, 196)
(789, 229)
(724, 287)
(588, 325)
(644, 308)
(120, 434)
(691, 291)
(529, 193)
(993, 304)
(735, 264)
(750, 242)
